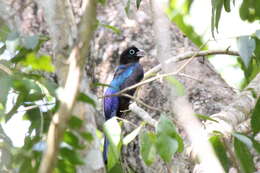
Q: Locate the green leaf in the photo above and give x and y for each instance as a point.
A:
(205, 117)
(131, 136)
(257, 33)
(166, 147)
(256, 145)
(255, 120)
(12, 42)
(179, 19)
(116, 169)
(244, 156)
(138, 2)
(64, 166)
(87, 136)
(220, 151)
(147, 147)
(42, 62)
(75, 122)
(216, 13)
(250, 10)
(71, 155)
(246, 46)
(5, 86)
(25, 85)
(127, 7)
(50, 85)
(72, 140)
(21, 55)
(33, 115)
(34, 97)
(2, 48)
(168, 140)
(84, 98)
(103, 2)
(179, 88)
(113, 28)
(257, 52)
(219, 6)
(244, 139)
(4, 30)
(18, 103)
(227, 5)
(112, 130)
(31, 42)
(1, 106)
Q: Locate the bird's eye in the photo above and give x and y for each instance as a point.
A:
(132, 51)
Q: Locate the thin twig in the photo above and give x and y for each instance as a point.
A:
(125, 120)
(27, 108)
(190, 77)
(5, 69)
(142, 103)
(191, 54)
(157, 68)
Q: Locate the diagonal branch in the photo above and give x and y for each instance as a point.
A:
(192, 54)
(178, 57)
(70, 91)
(238, 111)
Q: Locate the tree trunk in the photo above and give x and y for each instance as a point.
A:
(206, 90)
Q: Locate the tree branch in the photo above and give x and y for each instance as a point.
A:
(192, 54)
(72, 84)
(142, 114)
(179, 57)
(238, 111)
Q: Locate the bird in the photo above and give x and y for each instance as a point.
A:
(128, 73)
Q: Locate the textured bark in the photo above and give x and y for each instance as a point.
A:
(237, 111)
(8, 15)
(70, 77)
(62, 28)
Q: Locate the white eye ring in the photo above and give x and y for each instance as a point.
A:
(132, 51)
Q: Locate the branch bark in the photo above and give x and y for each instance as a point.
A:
(180, 57)
(188, 55)
(72, 80)
(142, 114)
(238, 111)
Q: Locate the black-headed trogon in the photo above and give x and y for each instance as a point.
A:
(128, 73)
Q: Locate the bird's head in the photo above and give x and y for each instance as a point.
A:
(130, 55)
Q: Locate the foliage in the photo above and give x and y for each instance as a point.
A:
(255, 120)
(177, 12)
(249, 50)
(249, 45)
(164, 142)
(23, 79)
(220, 151)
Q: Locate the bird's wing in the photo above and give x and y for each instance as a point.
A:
(110, 104)
(120, 69)
(136, 76)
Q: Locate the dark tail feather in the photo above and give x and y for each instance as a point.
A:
(105, 150)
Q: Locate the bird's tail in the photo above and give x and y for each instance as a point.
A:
(105, 149)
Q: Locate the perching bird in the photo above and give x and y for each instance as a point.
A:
(128, 73)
